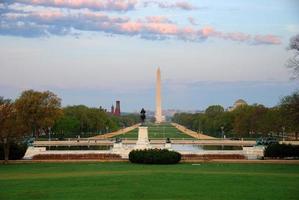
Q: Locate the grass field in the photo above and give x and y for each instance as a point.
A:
(86, 181)
(164, 130)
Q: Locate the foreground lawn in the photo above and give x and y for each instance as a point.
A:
(165, 130)
(131, 181)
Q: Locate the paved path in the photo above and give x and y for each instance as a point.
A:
(119, 132)
(192, 133)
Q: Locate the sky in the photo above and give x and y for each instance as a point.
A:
(95, 52)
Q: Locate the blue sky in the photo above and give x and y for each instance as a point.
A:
(94, 52)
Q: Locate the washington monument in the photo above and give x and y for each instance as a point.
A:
(158, 115)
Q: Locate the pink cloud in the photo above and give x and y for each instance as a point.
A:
(156, 27)
(188, 31)
(131, 27)
(117, 5)
(49, 14)
(267, 39)
(207, 31)
(158, 19)
(144, 27)
(162, 28)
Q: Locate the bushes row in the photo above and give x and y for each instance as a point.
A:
(16, 151)
(281, 151)
(70, 148)
(154, 156)
(211, 156)
(98, 156)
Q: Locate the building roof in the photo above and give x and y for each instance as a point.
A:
(240, 101)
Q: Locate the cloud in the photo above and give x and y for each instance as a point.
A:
(267, 39)
(104, 5)
(236, 36)
(184, 5)
(192, 21)
(99, 5)
(158, 19)
(37, 23)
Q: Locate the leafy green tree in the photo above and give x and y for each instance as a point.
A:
(214, 110)
(66, 125)
(271, 122)
(40, 109)
(247, 119)
(92, 120)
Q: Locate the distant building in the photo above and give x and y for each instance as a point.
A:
(117, 109)
(238, 103)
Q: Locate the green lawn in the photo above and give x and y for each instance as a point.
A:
(165, 130)
(132, 181)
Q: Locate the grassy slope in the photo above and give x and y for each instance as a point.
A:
(130, 181)
(165, 130)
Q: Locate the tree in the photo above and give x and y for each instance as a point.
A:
(248, 119)
(214, 110)
(272, 121)
(12, 125)
(93, 120)
(66, 125)
(290, 110)
(242, 125)
(40, 109)
(293, 62)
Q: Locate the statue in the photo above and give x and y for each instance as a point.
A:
(142, 116)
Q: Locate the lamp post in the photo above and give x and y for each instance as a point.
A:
(222, 131)
(49, 133)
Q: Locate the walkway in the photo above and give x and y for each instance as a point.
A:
(192, 133)
(119, 132)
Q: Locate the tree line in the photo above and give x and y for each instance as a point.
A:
(85, 121)
(36, 113)
(246, 120)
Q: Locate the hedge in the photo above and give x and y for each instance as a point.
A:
(281, 151)
(154, 156)
(191, 157)
(16, 151)
(89, 156)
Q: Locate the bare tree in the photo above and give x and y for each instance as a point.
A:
(293, 62)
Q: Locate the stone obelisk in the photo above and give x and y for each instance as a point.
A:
(158, 114)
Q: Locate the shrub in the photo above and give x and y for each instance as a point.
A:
(16, 151)
(211, 156)
(154, 156)
(281, 151)
(105, 156)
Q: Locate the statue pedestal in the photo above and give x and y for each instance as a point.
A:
(142, 142)
(168, 146)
